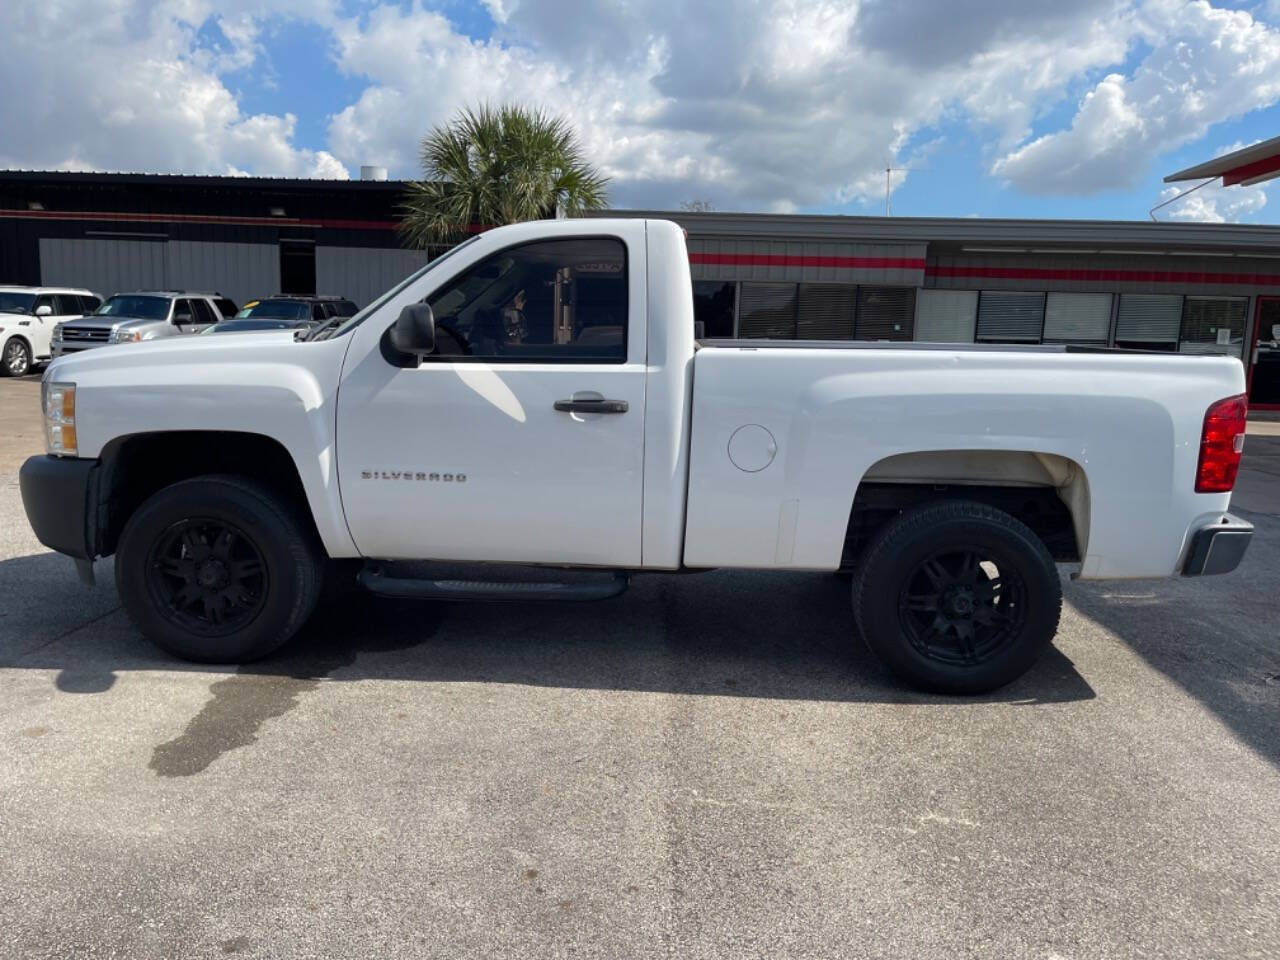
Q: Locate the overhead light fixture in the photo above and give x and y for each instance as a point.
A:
(1061, 250)
(34, 205)
(277, 211)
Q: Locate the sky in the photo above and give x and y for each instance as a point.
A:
(992, 108)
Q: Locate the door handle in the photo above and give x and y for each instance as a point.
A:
(591, 406)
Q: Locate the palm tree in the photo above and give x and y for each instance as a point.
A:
(491, 166)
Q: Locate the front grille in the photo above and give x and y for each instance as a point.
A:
(82, 334)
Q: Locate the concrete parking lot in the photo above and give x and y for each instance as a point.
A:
(708, 766)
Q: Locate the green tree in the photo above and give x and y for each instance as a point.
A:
(491, 166)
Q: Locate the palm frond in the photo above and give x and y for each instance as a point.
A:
(495, 165)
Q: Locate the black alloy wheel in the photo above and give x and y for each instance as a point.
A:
(207, 576)
(957, 597)
(219, 568)
(961, 608)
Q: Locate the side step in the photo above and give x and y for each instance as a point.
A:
(405, 588)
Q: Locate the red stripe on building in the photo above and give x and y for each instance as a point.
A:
(789, 260)
(198, 218)
(1099, 275)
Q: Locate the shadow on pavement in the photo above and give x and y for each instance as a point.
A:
(770, 635)
(1216, 637)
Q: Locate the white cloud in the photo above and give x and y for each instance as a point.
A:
(116, 85)
(1214, 203)
(1206, 65)
(747, 104)
(752, 104)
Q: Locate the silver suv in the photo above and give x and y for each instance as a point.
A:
(144, 315)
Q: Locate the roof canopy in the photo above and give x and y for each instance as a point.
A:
(1248, 166)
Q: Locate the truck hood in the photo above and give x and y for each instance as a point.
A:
(155, 360)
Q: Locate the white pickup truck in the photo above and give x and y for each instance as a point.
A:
(536, 396)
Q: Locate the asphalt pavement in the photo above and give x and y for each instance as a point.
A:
(708, 766)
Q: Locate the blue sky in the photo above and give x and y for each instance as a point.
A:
(1008, 108)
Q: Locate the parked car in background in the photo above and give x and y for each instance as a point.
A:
(28, 316)
(310, 309)
(143, 315)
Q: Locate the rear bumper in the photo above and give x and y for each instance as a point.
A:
(55, 494)
(1219, 548)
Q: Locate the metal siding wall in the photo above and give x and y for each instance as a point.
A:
(241, 271)
(104, 266)
(805, 265)
(1188, 275)
(363, 273)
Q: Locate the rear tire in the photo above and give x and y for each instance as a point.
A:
(15, 360)
(957, 597)
(218, 569)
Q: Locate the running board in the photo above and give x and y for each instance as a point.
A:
(405, 588)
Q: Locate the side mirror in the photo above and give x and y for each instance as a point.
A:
(44, 310)
(1275, 331)
(413, 335)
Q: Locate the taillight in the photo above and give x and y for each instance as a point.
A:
(1221, 443)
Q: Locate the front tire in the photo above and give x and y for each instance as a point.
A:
(957, 597)
(16, 359)
(218, 569)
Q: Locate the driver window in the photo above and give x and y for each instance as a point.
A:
(550, 301)
(182, 313)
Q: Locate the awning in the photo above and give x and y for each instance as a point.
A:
(1248, 166)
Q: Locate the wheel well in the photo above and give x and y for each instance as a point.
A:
(138, 466)
(1047, 492)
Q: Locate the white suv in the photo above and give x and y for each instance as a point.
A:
(143, 315)
(28, 316)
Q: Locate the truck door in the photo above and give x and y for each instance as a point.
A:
(521, 439)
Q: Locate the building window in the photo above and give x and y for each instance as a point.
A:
(824, 311)
(767, 310)
(1148, 321)
(1213, 325)
(886, 313)
(946, 316)
(1005, 317)
(1077, 318)
(714, 302)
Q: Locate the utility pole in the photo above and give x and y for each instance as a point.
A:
(888, 187)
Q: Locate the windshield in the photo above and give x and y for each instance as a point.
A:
(144, 308)
(278, 309)
(12, 301)
(352, 322)
(239, 326)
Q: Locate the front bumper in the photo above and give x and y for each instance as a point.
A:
(56, 495)
(1219, 548)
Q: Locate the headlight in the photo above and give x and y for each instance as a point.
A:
(126, 336)
(59, 401)
(57, 330)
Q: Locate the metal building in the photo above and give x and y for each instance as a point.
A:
(243, 236)
(1179, 287)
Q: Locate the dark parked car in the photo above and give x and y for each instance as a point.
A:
(310, 310)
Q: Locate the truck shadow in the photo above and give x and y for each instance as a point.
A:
(768, 635)
(1218, 638)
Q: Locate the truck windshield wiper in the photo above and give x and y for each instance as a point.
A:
(314, 332)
